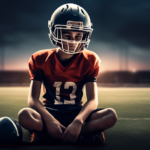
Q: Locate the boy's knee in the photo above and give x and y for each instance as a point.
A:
(22, 114)
(113, 114)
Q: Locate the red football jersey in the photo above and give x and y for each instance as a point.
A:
(63, 85)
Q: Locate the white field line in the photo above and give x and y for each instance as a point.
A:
(127, 98)
(133, 118)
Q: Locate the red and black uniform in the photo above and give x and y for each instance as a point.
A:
(63, 85)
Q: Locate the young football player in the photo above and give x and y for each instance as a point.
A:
(64, 71)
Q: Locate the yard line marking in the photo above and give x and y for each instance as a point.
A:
(125, 98)
(133, 118)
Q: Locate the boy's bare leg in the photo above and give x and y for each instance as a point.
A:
(30, 119)
(100, 121)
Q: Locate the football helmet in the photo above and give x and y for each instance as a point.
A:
(10, 131)
(70, 17)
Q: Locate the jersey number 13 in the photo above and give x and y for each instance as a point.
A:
(66, 86)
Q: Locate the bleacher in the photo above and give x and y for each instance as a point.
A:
(21, 78)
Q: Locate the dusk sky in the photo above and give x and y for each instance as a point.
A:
(121, 35)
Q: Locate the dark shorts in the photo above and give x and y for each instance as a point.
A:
(65, 114)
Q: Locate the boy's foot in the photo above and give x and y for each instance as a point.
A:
(36, 138)
(97, 139)
(39, 138)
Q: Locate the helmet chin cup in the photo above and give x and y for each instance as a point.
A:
(70, 17)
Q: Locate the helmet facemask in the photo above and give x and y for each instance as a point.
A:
(66, 45)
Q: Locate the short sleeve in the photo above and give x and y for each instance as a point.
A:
(93, 73)
(34, 71)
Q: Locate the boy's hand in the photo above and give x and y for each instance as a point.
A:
(55, 129)
(72, 132)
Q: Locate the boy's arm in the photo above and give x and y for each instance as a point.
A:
(73, 130)
(91, 104)
(34, 102)
(53, 126)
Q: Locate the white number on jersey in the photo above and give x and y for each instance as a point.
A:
(66, 86)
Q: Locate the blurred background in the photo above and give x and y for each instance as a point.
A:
(121, 38)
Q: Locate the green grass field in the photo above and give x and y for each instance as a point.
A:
(132, 130)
